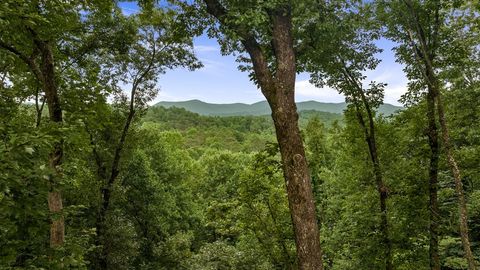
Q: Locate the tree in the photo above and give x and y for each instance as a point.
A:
(320, 160)
(151, 44)
(421, 28)
(264, 208)
(265, 32)
(35, 35)
(44, 72)
(341, 67)
(154, 192)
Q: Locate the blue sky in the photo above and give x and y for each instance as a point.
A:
(219, 81)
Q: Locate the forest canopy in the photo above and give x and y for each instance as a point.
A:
(93, 175)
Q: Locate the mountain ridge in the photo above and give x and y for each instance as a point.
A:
(261, 107)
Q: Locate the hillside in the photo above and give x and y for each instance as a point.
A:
(182, 119)
(261, 108)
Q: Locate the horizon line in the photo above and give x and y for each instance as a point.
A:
(296, 102)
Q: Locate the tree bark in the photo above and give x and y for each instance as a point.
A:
(298, 183)
(281, 99)
(102, 261)
(425, 53)
(382, 191)
(433, 181)
(370, 138)
(45, 74)
(278, 86)
(57, 226)
(109, 180)
(106, 191)
(381, 187)
(434, 88)
(462, 204)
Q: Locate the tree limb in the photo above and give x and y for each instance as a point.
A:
(260, 64)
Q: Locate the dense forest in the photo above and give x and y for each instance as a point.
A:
(92, 177)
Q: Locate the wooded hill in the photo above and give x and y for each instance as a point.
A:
(262, 108)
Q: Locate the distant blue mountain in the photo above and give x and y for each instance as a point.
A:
(261, 108)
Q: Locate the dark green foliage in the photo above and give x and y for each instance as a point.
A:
(202, 189)
(236, 133)
(182, 119)
(261, 108)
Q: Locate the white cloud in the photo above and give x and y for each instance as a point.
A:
(375, 75)
(212, 67)
(305, 91)
(396, 84)
(394, 92)
(392, 74)
(206, 48)
(164, 96)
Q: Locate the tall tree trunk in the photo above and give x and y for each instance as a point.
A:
(281, 99)
(298, 182)
(383, 194)
(108, 181)
(106, 191)
(278, 86)
(462, 204)
(45, 74)
(433, 181)
(381, 187)
(425, 52)
(434, 88)
(370, 138)
(100, 226)
(57, 226)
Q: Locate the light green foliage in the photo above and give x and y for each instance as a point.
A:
(462, 108)
(207, 192)
(22, 173)
(245, 211)
(264, 209)
(351, 212)
(154, 196)
(24, 212)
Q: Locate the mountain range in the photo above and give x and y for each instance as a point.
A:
(261, 108)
